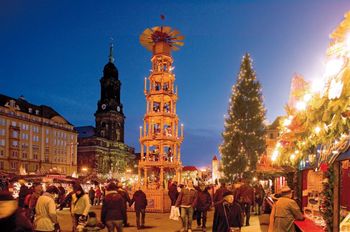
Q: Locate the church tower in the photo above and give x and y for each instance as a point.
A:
(109, 116)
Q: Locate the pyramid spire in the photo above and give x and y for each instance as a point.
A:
(111, 58)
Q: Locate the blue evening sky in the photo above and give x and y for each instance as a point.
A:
(53, 53)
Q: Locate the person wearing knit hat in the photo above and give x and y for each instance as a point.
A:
(12, 218)
(228, 214)
(284, 212)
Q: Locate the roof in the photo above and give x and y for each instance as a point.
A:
(275, 123)
(85, 131)
(189, 168)
(25, 106)
(215, 158)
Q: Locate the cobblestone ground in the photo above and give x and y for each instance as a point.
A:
(156, 222)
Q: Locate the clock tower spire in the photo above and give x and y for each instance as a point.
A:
(109, 115)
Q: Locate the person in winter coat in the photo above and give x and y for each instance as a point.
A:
(227, 215)
(38, 190)
(98, 195)
(126, 198)
(113, 209)
(23, 191)
(259, 197)
(12, 218)
(62, 193)
(92, 195)
(140, 200)
(80, 205)
(202, 205)
(284, 212)
(246, 197)
(186, 202)
(46, 217)
(218, 196)
(173, 193)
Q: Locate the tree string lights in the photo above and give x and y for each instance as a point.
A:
(244, 130)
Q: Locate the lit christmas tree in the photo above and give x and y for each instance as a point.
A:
(244, 133)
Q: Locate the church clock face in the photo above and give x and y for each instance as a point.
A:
(118, 108)
(103, 106)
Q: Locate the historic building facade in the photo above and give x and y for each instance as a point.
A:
(101, 148)
(35, 139)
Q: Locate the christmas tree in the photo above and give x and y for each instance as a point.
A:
(244, 132)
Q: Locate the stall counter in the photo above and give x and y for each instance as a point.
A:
(308, 226)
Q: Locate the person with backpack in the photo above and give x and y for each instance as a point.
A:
(140, 200)
(45, 211)
(80, 205)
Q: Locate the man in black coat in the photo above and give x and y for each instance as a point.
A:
(202, 205)
(113, 209)
(23, 191)
(173, 193)
(228, 214)
(140, 200)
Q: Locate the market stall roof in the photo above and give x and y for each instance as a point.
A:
(344, 156)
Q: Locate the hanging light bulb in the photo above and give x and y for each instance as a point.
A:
(292, 157)
(317, 129)
(300, 106)
(307, 97)
(274, 155)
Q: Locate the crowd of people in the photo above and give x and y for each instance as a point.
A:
(36, 207)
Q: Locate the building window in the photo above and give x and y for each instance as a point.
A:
(24, 155)
(2, 132)
(46, 140)
(2, 122)
(30, 110)
(13, 123)
(13, 165)
(14, 154)
(47, 131)
(2, 142)
(35, 156)
(15, 143)
(2, 167)
(14, 134)
(271, 135)
(1, 152)
(26, 167)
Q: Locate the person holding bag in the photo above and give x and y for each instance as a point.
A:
(228, 215)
